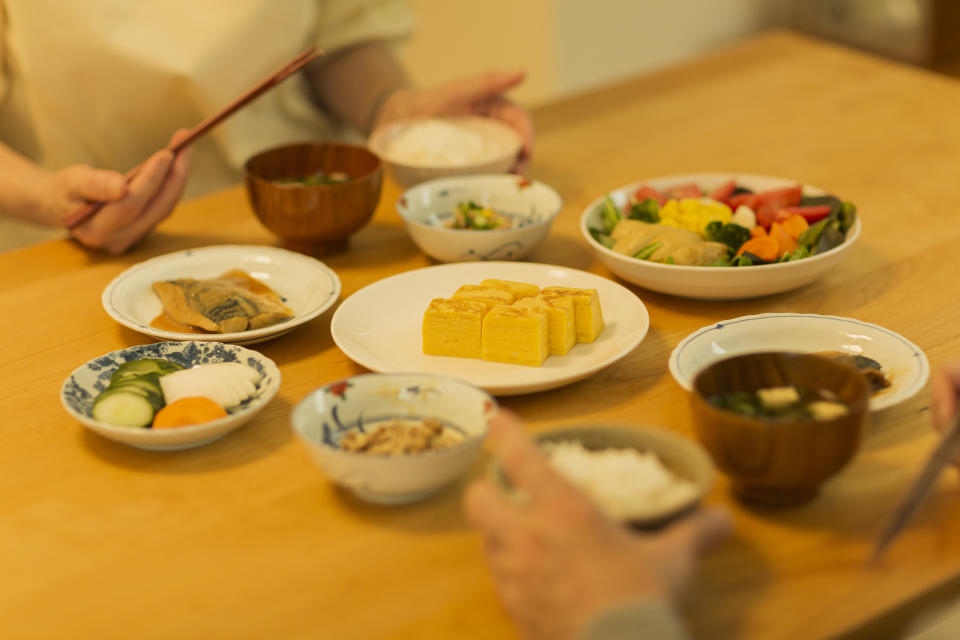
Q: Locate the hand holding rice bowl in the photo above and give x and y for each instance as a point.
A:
(419, 149)
(642, 476)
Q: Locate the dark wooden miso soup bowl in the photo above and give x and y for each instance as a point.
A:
(314, 219)
(776, 462)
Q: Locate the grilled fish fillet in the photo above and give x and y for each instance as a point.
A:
(219, 305)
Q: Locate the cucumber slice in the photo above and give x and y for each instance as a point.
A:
(123, 408)
(155, 400)
(149, 384)
(147, 366)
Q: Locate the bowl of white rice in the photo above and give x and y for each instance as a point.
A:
(638, 475)
(419, 149)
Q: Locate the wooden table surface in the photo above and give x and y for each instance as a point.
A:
(245, 538)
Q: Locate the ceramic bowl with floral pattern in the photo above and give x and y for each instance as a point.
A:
(355, 408)
(86, 382)
(527, 209)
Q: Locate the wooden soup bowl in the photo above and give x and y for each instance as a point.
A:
(314, 219)
(775, 462)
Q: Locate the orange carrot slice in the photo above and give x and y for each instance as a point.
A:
(795, 225)
(785, 242)
(764, 247)
(186, 411)
(757, 232)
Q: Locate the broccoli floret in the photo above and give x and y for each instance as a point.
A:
(730, 234)
(646, 211)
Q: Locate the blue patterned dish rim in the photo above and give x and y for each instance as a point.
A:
(78, 399)
(334, 428)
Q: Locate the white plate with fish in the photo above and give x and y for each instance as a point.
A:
(900, 361)
(299, 289)
(380, 326)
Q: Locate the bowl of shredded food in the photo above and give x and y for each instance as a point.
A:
(394, 438)
(483, 217)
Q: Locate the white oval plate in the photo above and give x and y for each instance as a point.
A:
(713, 283)
(308, 287)
(903, 362)
(89, 379)
(379, 326)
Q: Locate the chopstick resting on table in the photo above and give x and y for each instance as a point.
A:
(946, 452)
(83, 213)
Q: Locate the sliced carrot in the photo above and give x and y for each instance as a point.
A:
(795, 225)
(758, 232)
(785, 243)
(186, 411)
(763, 247)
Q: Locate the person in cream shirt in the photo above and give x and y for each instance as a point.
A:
(91, 89)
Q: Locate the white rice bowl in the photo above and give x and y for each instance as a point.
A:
(625, 483)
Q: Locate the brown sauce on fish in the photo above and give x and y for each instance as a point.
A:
(237, 277)
(869, 367)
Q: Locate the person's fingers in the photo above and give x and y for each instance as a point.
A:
(519, 119)
(96, 185)
(178, 136)
(488, 509)
(524, 463)
(482, 87)
(699, 532)
(944, 387)
(163, 202)
(115, 228)
(148, 182)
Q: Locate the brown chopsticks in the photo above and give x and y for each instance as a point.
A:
(82, 213)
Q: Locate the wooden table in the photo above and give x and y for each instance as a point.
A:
(245, 538)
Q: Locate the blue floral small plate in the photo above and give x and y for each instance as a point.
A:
(87, 381)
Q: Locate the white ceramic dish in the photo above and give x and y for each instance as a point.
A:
(495, 143)
(88, 380)
(903, 362)
(307, 286)
(380, 326)
(427, 211)
(714, 283)
(325, 415)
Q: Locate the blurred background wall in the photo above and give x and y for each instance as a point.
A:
(569, 46)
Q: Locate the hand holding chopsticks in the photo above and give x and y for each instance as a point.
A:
(179, 143)
(945, 388)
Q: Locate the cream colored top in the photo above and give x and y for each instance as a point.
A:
(106, 82)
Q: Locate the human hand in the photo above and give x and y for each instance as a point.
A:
(479, 95)
(558, 561)
(130, 210)
(945, 387)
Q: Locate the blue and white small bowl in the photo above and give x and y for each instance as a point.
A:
(87, 381)
(427, 211)
(324, 416)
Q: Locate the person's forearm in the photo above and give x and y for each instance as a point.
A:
(353, 84)
(21, 184)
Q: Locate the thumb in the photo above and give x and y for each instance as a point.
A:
(484, 86)
(86, 183)
(701, 531)
(178, 136)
